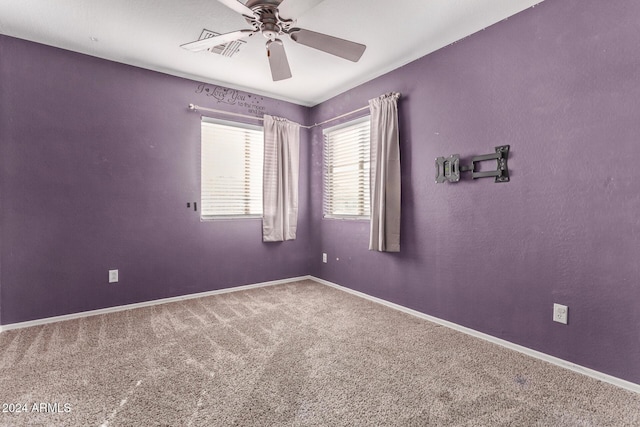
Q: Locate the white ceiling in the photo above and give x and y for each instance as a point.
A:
(148, 34)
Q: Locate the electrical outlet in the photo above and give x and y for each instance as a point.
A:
(560, 313)
(324, 258)
(113, 276)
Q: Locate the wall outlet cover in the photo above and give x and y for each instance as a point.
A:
(113, 276)
(560, 313)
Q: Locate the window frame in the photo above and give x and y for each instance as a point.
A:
(364, 166)
(238, 125)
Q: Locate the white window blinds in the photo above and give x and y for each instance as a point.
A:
(231, 170)
(346, 170)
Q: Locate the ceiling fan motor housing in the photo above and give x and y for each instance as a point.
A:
(266, 18)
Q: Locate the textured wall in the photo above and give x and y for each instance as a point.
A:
(560, 83)
(98, 162)
(99, 159)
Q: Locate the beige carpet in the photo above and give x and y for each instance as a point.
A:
(299, 354)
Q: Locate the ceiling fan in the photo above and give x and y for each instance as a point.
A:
(266, 17)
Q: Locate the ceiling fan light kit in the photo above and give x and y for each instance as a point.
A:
(264, 17)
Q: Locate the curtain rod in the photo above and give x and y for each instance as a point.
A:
(194, 107)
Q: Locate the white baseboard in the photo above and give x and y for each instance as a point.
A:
(145, 304)
(529, 352)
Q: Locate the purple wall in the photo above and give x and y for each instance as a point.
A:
(98, 162)
(561, 84)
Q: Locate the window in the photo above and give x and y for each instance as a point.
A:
(231, 170)
(346, 170)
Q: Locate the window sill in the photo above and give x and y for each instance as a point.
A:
(347, 218)
(229, 218)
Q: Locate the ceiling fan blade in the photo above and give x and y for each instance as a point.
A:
(333, 45)
(205, 44)
(237, 6)
(278, 60)
(293, 9)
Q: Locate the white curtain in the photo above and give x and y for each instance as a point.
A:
(384, 233)
(280, 179)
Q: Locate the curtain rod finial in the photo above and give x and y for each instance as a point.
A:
(192, 107)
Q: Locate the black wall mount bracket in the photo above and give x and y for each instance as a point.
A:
(449, 169)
